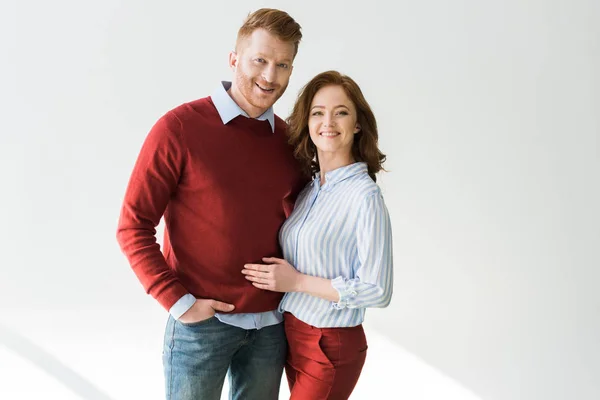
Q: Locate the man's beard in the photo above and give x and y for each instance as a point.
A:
(249, 90)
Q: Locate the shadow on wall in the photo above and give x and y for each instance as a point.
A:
(390, 371)
(49, 364)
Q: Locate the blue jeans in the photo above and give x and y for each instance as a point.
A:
(196, 358)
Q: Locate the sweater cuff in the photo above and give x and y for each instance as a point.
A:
(345, 290)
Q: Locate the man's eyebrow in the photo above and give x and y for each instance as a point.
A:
(285, 60)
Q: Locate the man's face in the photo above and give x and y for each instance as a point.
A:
(262, 67)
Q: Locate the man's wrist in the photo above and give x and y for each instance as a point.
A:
(182, 306)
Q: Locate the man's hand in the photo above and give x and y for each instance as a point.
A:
(204, 309)
(277, 276)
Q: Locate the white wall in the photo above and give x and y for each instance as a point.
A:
(488, 112)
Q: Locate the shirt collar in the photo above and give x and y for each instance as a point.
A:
(228, 109)
(340, 174)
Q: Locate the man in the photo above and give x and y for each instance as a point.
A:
(221, 172)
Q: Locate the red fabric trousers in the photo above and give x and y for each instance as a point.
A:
(323, 363)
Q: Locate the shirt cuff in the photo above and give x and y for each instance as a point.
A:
(182, 305)
(345, 290)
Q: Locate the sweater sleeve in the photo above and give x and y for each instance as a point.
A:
(153, 181)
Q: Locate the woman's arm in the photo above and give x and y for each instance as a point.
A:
(372, 285)
(279, 276)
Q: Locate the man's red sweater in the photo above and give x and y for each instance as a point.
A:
(224, 190)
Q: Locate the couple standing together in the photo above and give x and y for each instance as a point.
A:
(276, 238)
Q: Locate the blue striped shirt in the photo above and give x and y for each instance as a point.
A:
(340, 231)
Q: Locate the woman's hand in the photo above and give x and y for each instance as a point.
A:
(276, 275)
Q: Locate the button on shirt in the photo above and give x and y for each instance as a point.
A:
(340, 231)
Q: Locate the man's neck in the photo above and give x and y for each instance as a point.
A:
(241, 101)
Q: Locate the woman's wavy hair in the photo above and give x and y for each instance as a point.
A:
(365, 147)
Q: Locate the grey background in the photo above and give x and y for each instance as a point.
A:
(488, 112)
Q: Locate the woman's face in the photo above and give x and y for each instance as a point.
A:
(332, 122)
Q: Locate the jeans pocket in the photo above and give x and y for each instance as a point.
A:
(197, 323)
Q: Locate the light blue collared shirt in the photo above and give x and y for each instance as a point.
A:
(340, 231)
(228, 110)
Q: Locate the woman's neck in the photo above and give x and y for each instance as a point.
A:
(331, 161)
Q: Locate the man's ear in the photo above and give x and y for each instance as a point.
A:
(233, 60)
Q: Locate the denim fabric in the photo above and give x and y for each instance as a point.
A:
(197, 357)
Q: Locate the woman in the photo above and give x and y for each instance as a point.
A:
(337, 243)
